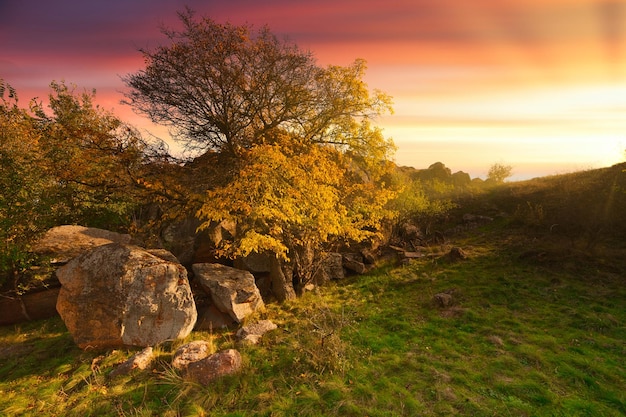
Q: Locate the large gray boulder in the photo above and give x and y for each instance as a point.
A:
(121, 295)
(232, 290)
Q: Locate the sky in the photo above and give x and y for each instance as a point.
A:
(536, 84)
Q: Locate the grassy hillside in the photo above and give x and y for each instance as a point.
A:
(536, 326)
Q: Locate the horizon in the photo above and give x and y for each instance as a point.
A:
(538, 85)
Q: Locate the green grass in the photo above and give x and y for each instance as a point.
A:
(524, 337)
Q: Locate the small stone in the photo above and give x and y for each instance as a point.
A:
(457, 254)
(191, 352)
(209, 369)
(141, 361)
(443, 299)
(252, 334)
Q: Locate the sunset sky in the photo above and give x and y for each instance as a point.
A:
(536, 84)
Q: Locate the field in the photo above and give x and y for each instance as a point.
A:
(535, 327)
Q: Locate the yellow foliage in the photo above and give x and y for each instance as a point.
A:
(293, 194)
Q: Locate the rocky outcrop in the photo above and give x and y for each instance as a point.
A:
(120, 295)
(232, 290)
(256, 263)
(60, 244)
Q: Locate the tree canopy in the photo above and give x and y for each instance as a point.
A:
(499, 172)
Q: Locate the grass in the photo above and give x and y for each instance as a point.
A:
(523, 337)
(536, 328)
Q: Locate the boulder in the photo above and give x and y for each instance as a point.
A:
(31, 306)
(354, 262)
(330, 268)
(163, 254)
(232, 290)
(257, 263)
(62, 243)
(179, 237)
(252, 333)
(191, 352)
(409, 231)
(219, 364)
(120, 295)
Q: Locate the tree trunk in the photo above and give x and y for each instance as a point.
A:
(304, 257)
(281, 275)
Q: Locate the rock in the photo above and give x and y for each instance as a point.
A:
(63, 243)
(31, 306)
(443, 299)
(461, 179)
(257, 263)
(369, 256)
(191, 352)
(121, 295)
(179, 237)
(409, 231)
(209, 369)
(354, 262)
(164, 254)
(330, 268)
(232, 291)
(457, 254)
(252, 334)
(140, 361)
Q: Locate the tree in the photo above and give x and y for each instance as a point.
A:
(93, 157)
(306, 164)
(294, 199)
(224, 88)
(75, 165)
(24, 206)
(499, 172)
